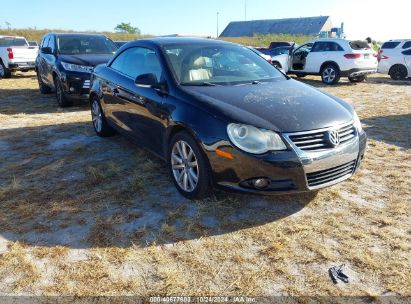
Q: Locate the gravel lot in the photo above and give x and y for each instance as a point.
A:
(82, 215)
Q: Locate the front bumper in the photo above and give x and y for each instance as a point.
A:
(358, 72)
(76, 85)
(290, 171)
(22, 66)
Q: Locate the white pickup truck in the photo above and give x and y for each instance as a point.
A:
(16, 55)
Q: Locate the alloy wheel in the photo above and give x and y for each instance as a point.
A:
(2, 71)
(185, 166)
(96, 116)
(59, 92)
(329, 75)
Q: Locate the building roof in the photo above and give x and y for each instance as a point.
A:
(294, 26)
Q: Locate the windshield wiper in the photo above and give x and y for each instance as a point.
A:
(199, 84)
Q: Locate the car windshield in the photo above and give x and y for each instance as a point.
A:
(11, 41)
(82, 45)
(219, 65)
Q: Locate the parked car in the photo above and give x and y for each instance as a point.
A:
(262, 55)
(397, 63)
(332, 59)
(275, 54)
(119, 44)
(394, 46)
(219, 114)
(66, 61)
(277, 44)
(15, 55)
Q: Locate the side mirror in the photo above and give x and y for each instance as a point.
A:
(150, 81)
(46, 50)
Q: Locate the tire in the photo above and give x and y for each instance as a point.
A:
(61, 97)
(99, 120)
(357, 79)
(185, 170)
(277, 65)
(330, 74)
(44, 89)
(398, 72)
(4, 72)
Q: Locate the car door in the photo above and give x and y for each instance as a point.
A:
(407, 59)
(298, 58)
(316, 57)
(140, 108)
(50, 60)
(41, 63)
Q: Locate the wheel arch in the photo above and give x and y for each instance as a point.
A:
(329, 62)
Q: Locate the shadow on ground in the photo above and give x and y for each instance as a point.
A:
(30, 101)
(62, 185)
(391, 129)
(371, 80)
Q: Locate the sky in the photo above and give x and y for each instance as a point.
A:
(381, 20)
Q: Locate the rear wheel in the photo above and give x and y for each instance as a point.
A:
(44, 89)
(61, 97)
(330, 74)
(100, 124)
(4, 72)
(357, 79)
(398, 72)
(189, 167)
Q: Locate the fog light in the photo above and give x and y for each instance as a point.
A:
(72, 89)
(261, 183)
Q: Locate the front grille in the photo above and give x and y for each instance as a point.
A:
(86, 84)
(317, 140)
(322, 177)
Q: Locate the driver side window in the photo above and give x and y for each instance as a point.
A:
(137, 61)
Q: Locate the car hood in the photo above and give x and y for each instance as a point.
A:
(87, 60)
(283, 106)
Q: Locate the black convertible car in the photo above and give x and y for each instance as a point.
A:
(221, 115)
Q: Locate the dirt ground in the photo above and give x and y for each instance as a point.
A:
(81, 215)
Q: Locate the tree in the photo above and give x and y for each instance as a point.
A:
(127, 28)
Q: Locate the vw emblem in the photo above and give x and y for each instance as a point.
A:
(334, 138)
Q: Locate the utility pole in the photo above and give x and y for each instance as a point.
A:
(245, 10)
(217, 23)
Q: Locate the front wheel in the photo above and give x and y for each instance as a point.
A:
(100, 124)
(398, 72)
(189, 167)
(330, 74)
(61, 97)
(357, 79)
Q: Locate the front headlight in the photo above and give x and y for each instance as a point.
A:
(77, 68)
(253, 140)
(357, 122)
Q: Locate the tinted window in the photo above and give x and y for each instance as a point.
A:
(52, 43)
(359, 45)
(137, 61)
(11, 41)
(407, 45)
(279, 51)
(45, 41)
(326, 47)
(390, 45)
(198, 64)
(84, 44)
(407, 52)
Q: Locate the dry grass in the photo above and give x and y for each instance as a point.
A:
(87, 216)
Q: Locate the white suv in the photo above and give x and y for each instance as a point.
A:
(332, 59)
(395, 59)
